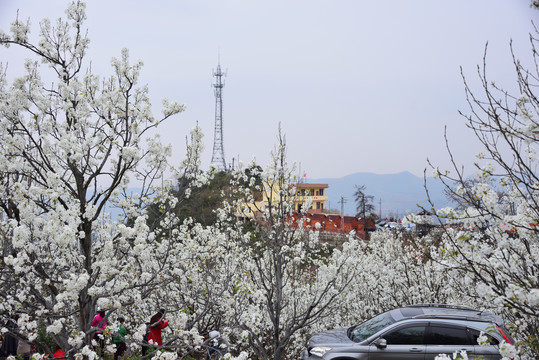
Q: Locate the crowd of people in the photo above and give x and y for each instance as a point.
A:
(18, 346)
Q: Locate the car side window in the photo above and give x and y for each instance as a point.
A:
(474, 334)
(411, 335)
(449, 335)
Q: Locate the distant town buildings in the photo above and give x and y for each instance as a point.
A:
(314, 196)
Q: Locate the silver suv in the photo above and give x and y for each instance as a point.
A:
(412, 332)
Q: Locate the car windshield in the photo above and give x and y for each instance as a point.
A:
(370, 327)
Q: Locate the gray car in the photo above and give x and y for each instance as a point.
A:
(412, 332)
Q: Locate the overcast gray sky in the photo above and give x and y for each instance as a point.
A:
(357, 85)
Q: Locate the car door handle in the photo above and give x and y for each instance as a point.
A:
(414, 349)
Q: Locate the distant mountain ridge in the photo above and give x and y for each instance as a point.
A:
(399, 193)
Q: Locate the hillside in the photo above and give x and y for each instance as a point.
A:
(399, 193)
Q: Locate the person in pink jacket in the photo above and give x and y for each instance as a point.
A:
(101, 322)
(157, 323)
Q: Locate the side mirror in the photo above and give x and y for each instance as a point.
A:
(380, 343)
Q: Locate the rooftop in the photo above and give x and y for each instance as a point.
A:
(311, 186)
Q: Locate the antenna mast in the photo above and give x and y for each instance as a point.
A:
(218, 155)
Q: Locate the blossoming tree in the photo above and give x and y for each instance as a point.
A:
(68, 150)
(496, 242)
(287, 281)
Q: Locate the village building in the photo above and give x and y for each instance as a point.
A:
(315, 218)
(313, 193)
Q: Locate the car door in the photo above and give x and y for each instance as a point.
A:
(404, 342)
(447, 339)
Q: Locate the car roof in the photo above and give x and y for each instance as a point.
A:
(442, 311)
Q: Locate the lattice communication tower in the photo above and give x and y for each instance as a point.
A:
(218, 156)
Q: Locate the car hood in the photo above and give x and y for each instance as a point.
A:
(336, 336)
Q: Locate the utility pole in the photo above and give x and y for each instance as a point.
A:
(342, 202)
(364, 220)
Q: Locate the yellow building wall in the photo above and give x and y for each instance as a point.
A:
(248, 209)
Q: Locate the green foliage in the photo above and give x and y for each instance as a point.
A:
(43, 337)
(533, 343)
(203, 201)
(199, 205)
(256, 172)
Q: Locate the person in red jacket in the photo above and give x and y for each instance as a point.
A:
(157, 323)
(60, 354)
